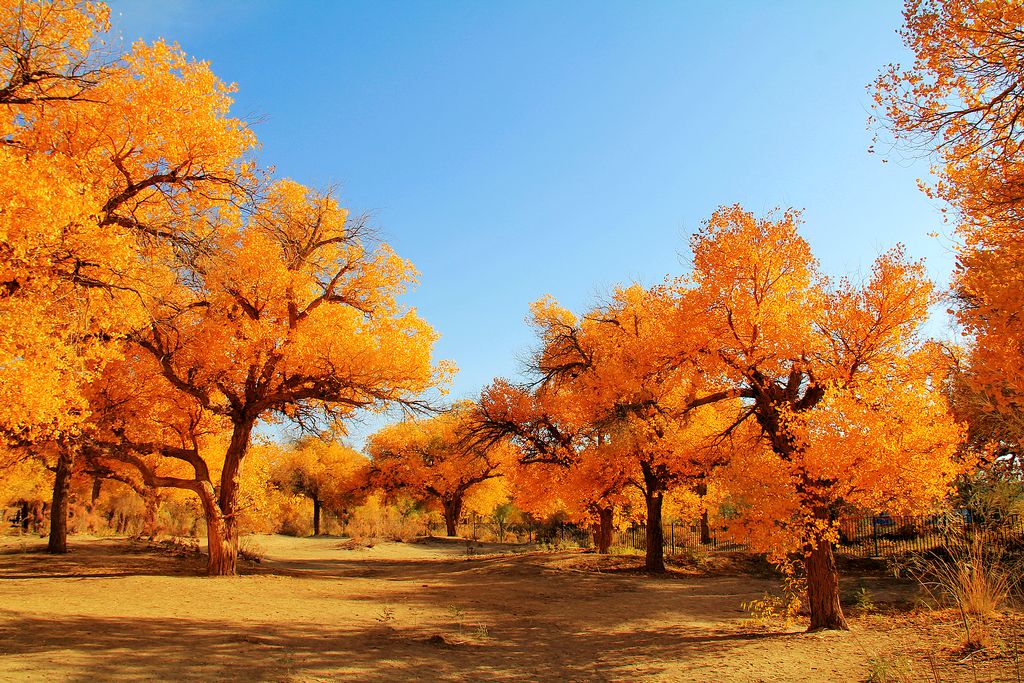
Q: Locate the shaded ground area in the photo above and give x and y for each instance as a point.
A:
(316, 609)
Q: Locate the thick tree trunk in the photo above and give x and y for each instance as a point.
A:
(452, 512)
(605, 529)
(654, 488)
(221, 533)
(823, 588)
(654, 560)
(222, 546)
(58, 542)
(316, 516)
(97, 486)
(221, 542)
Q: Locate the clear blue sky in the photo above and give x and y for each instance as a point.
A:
(512, 150)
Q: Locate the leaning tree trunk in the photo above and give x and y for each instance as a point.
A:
(316, 516)
(823, 588)
(452, 511)
(58, 542)
(605, 529)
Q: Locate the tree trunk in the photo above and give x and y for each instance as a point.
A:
(452, 512)
(705, 529)
(152, 501)
(97, 485)
(605, 529)
(316, 516)
(58, 542)
(655, 553)
(654, 489)
(222, 546)
(221, 542)
(823, 588)
(220, 513)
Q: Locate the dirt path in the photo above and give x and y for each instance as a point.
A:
(315, 611)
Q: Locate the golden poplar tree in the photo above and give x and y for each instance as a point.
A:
(961, 104)
(434, 458)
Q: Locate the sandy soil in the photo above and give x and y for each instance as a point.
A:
(318, 610)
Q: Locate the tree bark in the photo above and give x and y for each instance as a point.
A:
(452, 512)
(316, 516)
(221, 542)
(221, 532)
(152, 501)
(58, 541)
(654, 489)
(823, 588)
(705, 529)
(654, 560)
(97, 485)
(605, 530)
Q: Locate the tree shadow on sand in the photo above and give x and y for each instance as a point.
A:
(94, 648)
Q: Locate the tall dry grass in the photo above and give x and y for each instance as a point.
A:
(979, 579)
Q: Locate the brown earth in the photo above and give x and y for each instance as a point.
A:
(324, 609)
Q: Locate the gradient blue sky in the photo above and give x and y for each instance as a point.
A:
(512, 150)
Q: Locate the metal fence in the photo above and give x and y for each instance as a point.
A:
(679, 536)
(885, 535)
(867, 536)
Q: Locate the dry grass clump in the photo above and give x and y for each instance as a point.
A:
(890, 669)
(250, 549)
(976, 578)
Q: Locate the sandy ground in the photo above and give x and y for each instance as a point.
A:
(317, 610)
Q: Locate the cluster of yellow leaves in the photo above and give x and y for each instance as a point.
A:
(96, 174)
(576, 491)
(961, 103)
(331, 472)
(297, 314)
(432, 458)
(23, 479)
(847, 399)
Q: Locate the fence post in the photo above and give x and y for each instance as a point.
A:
(874, 535)
(673, 532)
